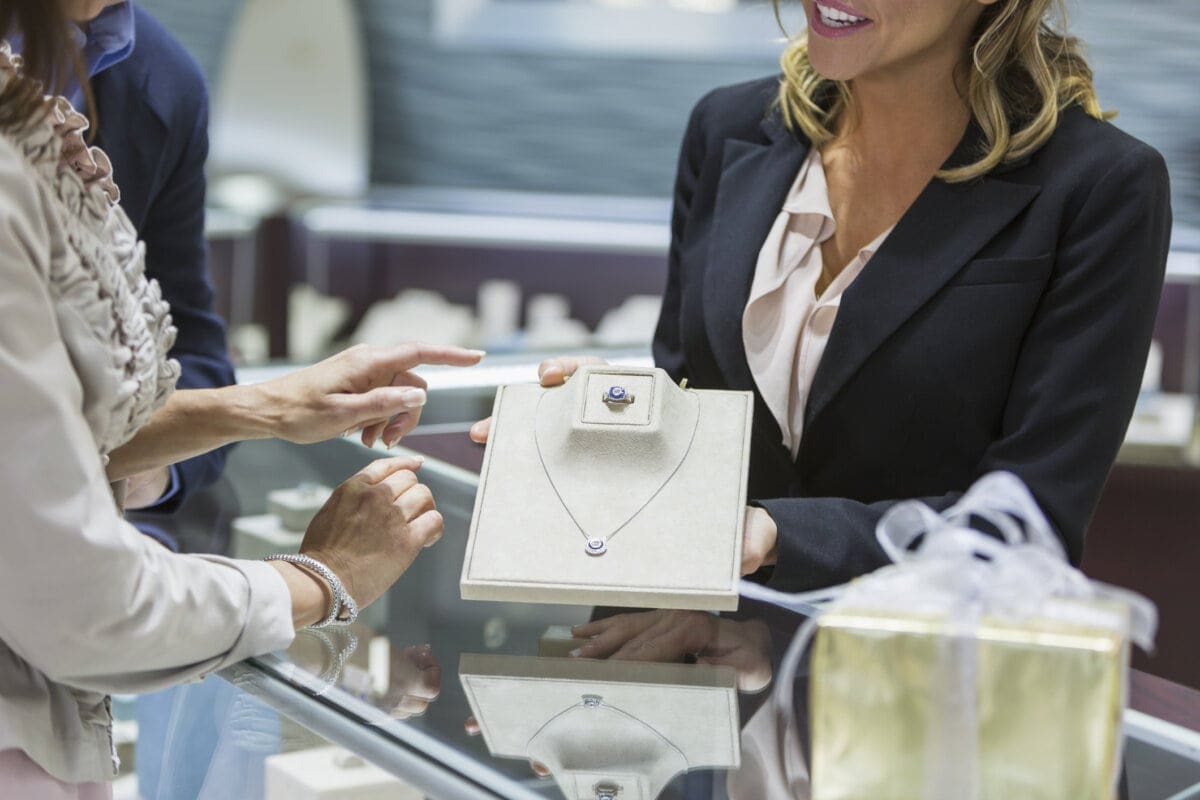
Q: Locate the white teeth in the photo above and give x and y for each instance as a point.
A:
(836, 18)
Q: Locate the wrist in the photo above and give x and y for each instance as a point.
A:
(252, 412)
(340, 608)
(147, 489)
(311, 596)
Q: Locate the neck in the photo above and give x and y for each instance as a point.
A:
(914, 115)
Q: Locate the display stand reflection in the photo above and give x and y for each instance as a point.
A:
(605, 729)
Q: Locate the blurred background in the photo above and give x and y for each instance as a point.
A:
(374, 137)
(590, 96)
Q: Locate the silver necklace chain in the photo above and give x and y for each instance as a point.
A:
(594, 701)
(598, 546)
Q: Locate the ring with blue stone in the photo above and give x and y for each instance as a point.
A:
(618, 396)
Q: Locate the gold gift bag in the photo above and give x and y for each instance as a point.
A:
(926, 706)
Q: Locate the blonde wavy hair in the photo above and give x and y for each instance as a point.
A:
(1024, 73)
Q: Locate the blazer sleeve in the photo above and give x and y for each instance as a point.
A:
(1072, 393)
(667, 346)
(86, 599)
(177, 257)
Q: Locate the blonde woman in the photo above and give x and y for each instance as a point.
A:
(930, 256)
(88, 605)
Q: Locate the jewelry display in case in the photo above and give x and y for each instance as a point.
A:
(606, 730)
(618, 488)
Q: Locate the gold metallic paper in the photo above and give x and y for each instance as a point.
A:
(1035, 706)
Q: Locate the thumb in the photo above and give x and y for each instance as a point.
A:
(481, 430)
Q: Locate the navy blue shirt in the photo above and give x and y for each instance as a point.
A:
(105, 42)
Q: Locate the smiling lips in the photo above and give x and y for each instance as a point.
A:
(836, 20)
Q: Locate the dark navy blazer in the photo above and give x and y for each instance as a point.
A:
(1003, 324)
(153, 123)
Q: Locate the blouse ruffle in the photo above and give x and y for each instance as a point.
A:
(100, 279)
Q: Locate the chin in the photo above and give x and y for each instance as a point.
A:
(834, 66)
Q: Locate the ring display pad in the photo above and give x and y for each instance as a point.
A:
(618, 488)
(625, 726)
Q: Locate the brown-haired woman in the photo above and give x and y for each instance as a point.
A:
(929, 256)
(88, 605)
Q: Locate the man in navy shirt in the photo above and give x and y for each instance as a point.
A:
(152, 115)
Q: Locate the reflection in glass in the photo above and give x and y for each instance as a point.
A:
(400, 681)
(605, 729)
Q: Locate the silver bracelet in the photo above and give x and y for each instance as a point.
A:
(342, 603)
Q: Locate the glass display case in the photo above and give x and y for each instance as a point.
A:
(433, 696)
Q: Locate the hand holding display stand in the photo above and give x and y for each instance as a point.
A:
(617, 488)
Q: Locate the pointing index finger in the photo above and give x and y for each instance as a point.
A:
(407, 356)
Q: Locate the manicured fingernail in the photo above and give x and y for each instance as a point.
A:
(576, 653)
(480, 353)
(412, 397)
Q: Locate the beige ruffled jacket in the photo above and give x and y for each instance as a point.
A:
(89, 606)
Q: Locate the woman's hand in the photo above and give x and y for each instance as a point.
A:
(368, 533)
(671, 636)
(551, 372)
(371, 389)
(760, 541)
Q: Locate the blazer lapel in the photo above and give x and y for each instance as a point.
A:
(755, 178)
(140, 157)
(943, 229)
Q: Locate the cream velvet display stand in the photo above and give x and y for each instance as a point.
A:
(618, 729)
(618, 488)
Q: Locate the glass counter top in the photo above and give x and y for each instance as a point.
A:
(433, 696)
